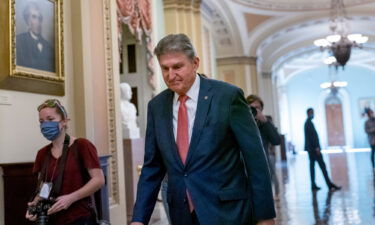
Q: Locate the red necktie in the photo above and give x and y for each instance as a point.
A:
(182, 139)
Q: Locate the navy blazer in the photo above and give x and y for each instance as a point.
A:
(226, 171)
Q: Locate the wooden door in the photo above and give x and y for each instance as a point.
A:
(335, 125)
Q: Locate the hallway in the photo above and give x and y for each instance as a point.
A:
(354, 204)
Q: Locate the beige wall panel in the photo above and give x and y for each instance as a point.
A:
(229, 76)
(234, 74)
(98, 77)
(171, 25)
(185, 17)
(245, 72)
(81, 67)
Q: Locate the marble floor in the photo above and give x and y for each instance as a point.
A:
(298, 205)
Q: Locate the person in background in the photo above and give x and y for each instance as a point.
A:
(82, 173)
(270, 136)
(201, 134)
(370, 130)
(312, 146)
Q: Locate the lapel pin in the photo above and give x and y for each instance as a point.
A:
(205, 97)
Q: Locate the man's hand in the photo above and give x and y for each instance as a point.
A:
(317, 150)
(136, 223)
(266, 222)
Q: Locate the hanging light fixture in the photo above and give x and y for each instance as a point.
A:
(334, 82)
(340, 43)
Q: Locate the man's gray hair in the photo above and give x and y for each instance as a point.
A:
(175, 43)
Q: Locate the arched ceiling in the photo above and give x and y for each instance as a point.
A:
(295, 62)
(224, 26)
(295, 5)
(299, 37)
(276, 31)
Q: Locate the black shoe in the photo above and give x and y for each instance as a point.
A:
(315, 188)
(334, 187)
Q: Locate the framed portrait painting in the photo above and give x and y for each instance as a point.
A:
(365, 104)
(32, 46)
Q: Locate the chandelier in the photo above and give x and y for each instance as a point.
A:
(340, 43)
(334, 84)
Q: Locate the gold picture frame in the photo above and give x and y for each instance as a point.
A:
(31, 46)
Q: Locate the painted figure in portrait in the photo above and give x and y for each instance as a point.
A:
(32, 49)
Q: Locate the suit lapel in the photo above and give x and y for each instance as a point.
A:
(168, 120)
(204, 102)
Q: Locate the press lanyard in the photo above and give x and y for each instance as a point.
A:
(46, 187)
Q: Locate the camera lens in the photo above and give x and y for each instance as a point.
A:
(254, 111)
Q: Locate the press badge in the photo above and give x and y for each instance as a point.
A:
(45, 190)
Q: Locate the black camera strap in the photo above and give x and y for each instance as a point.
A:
(43, 172)
(61, 166)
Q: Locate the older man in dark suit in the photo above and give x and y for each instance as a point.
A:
(201, 133)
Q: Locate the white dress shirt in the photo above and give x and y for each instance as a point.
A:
(39, 45)
(191, 106)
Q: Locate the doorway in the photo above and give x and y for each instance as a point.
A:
(334, 120)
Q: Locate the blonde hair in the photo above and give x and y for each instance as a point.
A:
(54, 103)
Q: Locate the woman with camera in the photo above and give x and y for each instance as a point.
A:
(68, 172)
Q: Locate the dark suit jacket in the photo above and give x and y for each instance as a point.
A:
(226, 171)
(28, 54)
(311, 136)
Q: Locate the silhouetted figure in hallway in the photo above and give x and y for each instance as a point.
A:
(370, 130)
(312, 146)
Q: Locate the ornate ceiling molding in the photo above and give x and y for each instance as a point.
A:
(237, 60)
(221, 29)
(194, 4)
(295, 5)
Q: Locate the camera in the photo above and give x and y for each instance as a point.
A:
(254, 111)
(40, 210)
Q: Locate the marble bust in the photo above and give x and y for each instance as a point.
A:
(130, 128)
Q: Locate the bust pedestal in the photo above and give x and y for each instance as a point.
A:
(130, 132)
(133, 160)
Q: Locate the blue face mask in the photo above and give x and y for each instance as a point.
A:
(50, 130)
